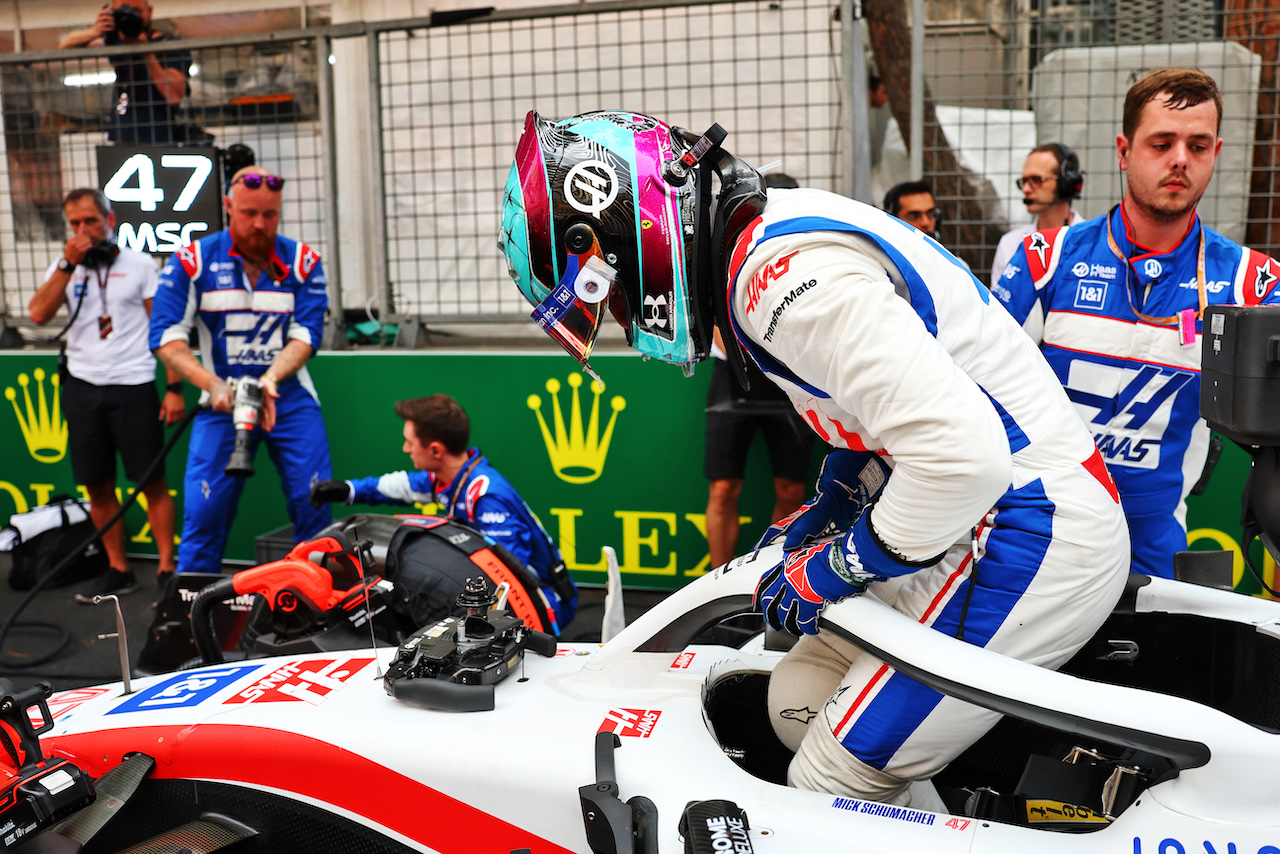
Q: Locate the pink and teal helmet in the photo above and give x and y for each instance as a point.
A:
(603, 211)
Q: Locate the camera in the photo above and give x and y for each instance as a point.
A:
(128, 22)
(102, 254)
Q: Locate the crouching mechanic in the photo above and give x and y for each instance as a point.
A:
(257, 301)
(468, 487)
(963, 490)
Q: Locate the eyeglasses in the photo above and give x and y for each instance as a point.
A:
(253, 181)
(1034, 180)
(915, 216)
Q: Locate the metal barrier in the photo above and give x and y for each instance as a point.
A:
(266, 92)
(453, 100)
(447, 96)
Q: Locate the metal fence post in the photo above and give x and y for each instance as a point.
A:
(855, 86)
(916, 142)
(334, 333)
(377, 227)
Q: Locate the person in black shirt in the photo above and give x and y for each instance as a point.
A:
(149, 86)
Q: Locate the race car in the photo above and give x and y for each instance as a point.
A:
(479, 732)
(1158, 738)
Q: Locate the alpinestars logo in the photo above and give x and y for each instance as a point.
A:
(301, 681)
(1039, 246)
(634, 723)
(1262, 284)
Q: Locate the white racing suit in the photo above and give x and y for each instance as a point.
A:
(884, 342)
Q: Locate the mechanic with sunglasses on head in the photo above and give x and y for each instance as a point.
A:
(1115, 304)
(257, 301)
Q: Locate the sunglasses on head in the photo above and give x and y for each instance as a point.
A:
(253, 181)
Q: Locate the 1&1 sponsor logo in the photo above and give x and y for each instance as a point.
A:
(184, 690)
(1090, 294)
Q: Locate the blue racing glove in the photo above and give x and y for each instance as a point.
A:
(848, 482)
(793, 593)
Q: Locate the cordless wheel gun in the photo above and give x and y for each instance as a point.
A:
(246, 411)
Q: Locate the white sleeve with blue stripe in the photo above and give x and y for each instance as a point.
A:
(834, 317)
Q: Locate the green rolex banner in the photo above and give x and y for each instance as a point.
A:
(615, 465)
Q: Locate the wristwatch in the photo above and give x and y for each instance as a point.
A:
(66, 266)
(175, 387)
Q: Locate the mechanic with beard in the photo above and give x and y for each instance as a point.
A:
(257, 301)
(963, 490)
(468, 487)
(1116, 303)
(149, 87)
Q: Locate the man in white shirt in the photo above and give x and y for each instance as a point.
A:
(1051, 178)
(108, 387)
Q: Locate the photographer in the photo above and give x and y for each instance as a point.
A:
(108, 385)
(149, 87)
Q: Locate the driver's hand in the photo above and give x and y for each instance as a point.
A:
(848, 482)
(793, 593)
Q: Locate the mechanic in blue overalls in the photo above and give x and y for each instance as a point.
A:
(1115, 304)
(963, 490)
(450, 473)
(257, 301)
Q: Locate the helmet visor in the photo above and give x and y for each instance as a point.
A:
(574, 309)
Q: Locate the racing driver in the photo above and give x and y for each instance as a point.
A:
(962, 489)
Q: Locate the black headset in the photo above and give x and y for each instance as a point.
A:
(1070, 178)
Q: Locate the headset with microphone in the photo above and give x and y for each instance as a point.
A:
(1070, 180)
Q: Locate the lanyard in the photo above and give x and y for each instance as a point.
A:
(102, 286)
(455, 489)
(1128, 269)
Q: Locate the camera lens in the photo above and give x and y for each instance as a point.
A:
(128, 21)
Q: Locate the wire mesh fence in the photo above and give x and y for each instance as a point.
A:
(454, 100)
(61, 107)
(447, 100)
(1006, 76)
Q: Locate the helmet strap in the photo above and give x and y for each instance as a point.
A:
(741, 199)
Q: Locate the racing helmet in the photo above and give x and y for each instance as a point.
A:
(611, 210)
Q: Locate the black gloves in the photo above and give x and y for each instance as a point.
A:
(329, 491)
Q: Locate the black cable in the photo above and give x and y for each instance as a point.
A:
(1244, 551)
(65, 636)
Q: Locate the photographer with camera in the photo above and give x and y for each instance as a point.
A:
(149, 87)
(107, 385)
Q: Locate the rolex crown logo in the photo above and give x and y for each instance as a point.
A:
(577, 455)
(42, 428)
